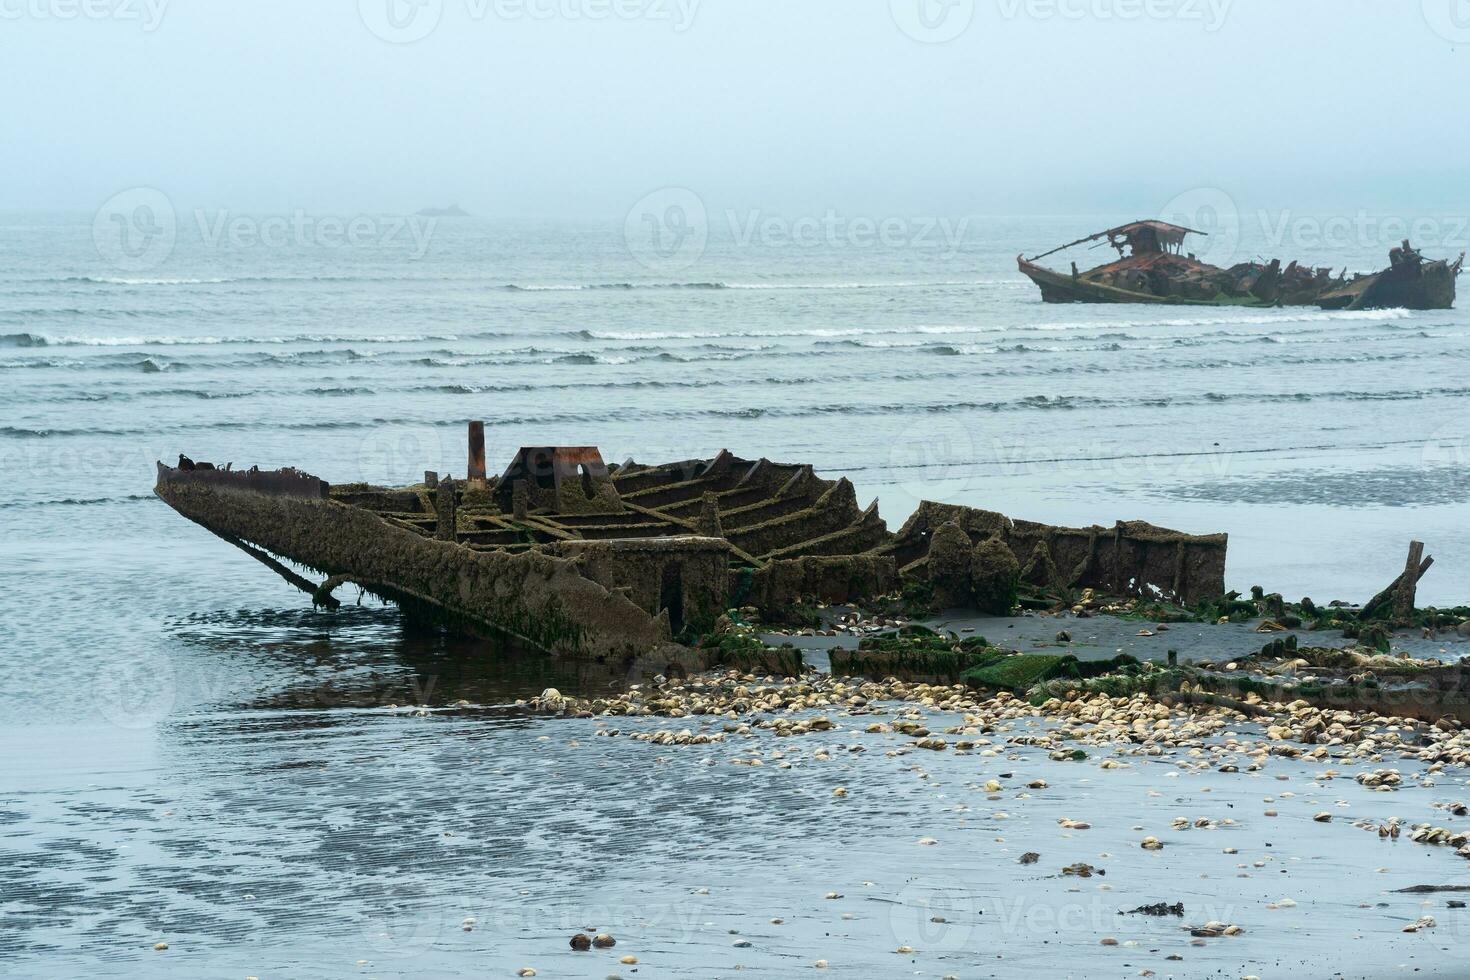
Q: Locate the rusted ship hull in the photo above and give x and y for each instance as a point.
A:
(1427, 286)
(1152, 268)
(567, 556)
(1058, 287)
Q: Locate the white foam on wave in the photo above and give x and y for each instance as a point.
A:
(179, 340)
(940, 284)
(123, 281)
(823, 332)
(1246, 320)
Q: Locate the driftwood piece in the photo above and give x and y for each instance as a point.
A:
(1403, 604)
(1401, 591)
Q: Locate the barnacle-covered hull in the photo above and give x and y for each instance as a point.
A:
(568, 556)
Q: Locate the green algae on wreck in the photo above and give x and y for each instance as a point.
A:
(633, 563)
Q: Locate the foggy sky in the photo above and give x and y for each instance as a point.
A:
(568, 108)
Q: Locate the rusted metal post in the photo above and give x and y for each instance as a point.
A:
(431, 479)
(446, 516)
(476, 476)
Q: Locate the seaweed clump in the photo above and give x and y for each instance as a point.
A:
(1020, 672)
(915, 653)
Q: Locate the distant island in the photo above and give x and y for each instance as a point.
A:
(453, 211)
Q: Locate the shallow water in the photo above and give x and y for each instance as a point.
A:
(178, 730)
(356, 843)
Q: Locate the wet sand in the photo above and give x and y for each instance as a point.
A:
(358, 841)
(1103, 637)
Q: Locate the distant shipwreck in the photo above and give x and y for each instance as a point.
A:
(1152, 267)
(566, 555)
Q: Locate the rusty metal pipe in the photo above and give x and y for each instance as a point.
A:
(477, 453)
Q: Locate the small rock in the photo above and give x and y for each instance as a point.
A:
(581, 941)
(1425, 922)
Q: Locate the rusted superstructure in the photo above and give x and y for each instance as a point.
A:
(1153, 267)
(571, 556)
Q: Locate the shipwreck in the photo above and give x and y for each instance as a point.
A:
(1153, 267)
(566, 555)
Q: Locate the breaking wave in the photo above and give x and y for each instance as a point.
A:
(1026, 403)
(183, 340)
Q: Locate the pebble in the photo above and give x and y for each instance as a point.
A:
(160, 947)
(604, 941)
(580, 941)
